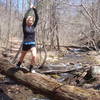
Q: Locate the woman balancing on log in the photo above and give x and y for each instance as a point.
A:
(29, 24)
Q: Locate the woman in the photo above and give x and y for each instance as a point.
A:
(29, 44)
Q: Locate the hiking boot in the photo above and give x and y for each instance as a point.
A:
(31, 69)
(18, 67)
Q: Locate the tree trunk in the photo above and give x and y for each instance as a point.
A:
(46, 85)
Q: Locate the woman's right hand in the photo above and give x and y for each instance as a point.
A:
(32, 6)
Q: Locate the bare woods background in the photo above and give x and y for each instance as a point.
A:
(62, 22)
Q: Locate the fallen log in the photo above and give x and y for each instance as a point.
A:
(46, 85)
(53, 71)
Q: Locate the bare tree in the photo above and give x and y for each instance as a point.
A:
(61, 20)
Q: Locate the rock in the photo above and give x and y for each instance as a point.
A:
(96, 72)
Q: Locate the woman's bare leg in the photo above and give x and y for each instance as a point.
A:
(23, 53)
(33, 51)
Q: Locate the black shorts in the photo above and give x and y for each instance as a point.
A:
(27, 47)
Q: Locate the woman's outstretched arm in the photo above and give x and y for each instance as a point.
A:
(24, 19)
(36, 17)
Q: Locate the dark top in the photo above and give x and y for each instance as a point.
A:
(28, 31)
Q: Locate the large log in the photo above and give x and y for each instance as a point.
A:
(47, 85)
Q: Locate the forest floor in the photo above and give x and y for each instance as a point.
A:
(69, 59)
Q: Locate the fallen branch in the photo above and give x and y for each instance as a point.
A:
(62, 71)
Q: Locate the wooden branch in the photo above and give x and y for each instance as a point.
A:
(90, 17)
(46, 85)
(58, 45)
(52, 71)
(19, 50)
